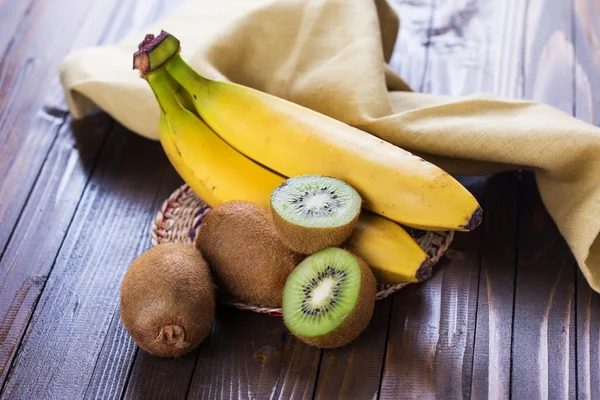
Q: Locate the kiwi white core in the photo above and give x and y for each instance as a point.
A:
(316, 201)
(322, 293)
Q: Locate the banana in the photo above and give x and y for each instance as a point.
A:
(218, 173)
(294, 140)
(379, 241)
(213, 169)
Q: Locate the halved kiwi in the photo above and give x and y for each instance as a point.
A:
(328, 300)
(246, 256)
(168, 300)
(313, 212)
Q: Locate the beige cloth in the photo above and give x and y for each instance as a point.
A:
(330, 55)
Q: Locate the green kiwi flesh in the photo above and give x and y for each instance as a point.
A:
(328, 300)
(246, 256)
(313, 212)
(168, 300)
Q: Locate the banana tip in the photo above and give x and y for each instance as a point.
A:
(141, 58)
(475, 220)
(424, 271)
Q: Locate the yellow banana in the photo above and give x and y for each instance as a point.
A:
(379, 241)
(218, 173)
(206, 162)
(294, 140)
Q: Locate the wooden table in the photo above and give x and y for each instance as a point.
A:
(506, 313)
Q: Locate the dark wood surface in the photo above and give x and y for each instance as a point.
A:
(506, 313)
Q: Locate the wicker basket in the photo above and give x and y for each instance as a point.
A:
(182, 213)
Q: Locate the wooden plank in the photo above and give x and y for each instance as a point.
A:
(430, 346)
(160, 378)
(588, 340)
(299, 370)
(28, 75)
(469, 56)
(70, 323)
(113, 366)
(50, 207)
(354, 371)
(543, 354)
(253, 356)
(13, 16)
(470, 48)
(587, 60)
(41, 229)
(587, 107)
(491, 363)
(475, 46)
(410, 55)
(549, 54)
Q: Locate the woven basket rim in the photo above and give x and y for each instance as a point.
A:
(182, 212)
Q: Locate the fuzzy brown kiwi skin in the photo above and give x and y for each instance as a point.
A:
(357, 320)
(245, 254)
(305, 240)
(168, 300)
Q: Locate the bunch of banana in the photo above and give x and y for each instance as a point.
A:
(230, 146)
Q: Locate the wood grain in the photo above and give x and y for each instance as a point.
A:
(462, 54)
(475, 46)
(42, 226)
(160, 378)
(28, 74)
(430, 346)
(50, 206)
(588, 340)
(543, 356)
(549, 54)
(13, 16)
(410, 55)
(299, 371)
(354, 371)
(587, 107)
(587, 60)
(261, 360)
(70, 323)
(113, 367)
(491, 362)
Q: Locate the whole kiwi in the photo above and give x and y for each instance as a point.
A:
(246, 257)
(168, 300)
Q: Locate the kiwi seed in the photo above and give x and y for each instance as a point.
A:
(168, 300)
(247, 258)
(328, 300)
(313, 212)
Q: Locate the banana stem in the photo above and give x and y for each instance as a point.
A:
(194, 83)
(154, 52)
(159, 82)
